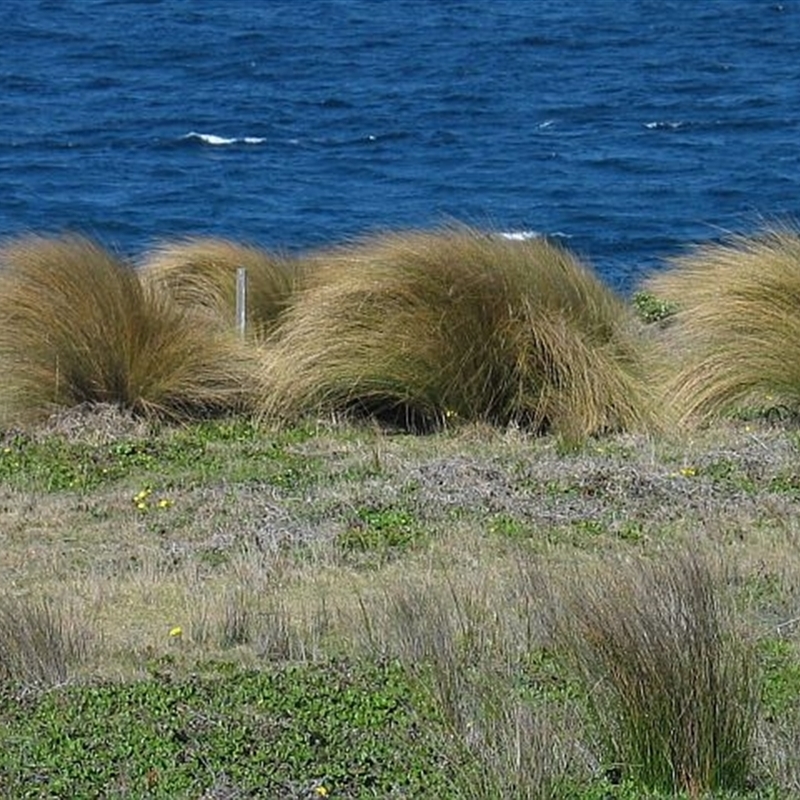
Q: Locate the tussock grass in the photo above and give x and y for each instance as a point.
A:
(39, 642)
(200, 274)
(733, 337)
(418, 328)
(673, 688)
(77, 326)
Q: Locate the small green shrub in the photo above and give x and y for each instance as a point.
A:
(379, 533)
(651, 309)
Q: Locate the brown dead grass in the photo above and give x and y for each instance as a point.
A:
(482, 497)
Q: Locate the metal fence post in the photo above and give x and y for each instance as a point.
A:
(241, 301)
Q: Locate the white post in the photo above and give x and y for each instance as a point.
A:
(241, 301)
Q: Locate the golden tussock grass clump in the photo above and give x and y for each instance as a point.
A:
(77, 326)
(200, 274)
(732, 340)
(421, 327)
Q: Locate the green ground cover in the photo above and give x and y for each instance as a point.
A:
(228, 610)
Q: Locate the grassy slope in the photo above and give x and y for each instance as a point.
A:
(226, 610)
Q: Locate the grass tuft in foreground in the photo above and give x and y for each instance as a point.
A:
(736, 327)
(419, 328)
(470, 659)
(39, 642)
(77, 326)
(673, 689)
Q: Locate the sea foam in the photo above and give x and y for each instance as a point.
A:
(219, 141)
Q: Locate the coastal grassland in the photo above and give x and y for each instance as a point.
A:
(732, 334)
(419, 328)
(199, 273)
(77, 326)
(225, 609)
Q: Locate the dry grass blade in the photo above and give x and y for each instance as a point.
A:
(39, 642)
(417, 328)
(200, 274)
(673, 687)
(466, 654)
(77, 326)
(738, 320)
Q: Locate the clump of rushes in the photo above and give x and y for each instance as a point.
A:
(672, 685)
(77, 326)
(40, 641)
(422, 327)
(200, 274)
(736, 327)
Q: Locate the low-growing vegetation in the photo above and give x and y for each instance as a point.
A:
(459, 615)
(232, 568)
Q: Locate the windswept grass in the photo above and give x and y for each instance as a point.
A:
(671, 681)
(200, 274)
(77, 326)
(734, 336)
(419, 327)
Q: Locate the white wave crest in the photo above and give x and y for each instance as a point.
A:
(668, 124)
(218, 141)
(519, 236)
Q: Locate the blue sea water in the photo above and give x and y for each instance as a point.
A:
(632, 128)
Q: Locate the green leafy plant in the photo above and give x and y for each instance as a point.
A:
(781, 671)
(380, 532)
(195, 453)
(351, 727)
(651, 309)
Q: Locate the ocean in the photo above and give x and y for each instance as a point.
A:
(630, 129)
